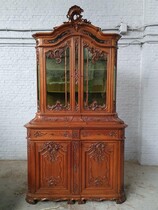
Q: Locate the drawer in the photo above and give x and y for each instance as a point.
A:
(99, 134)
(51, 134)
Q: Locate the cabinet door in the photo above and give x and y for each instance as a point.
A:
(57, 73)
(52, 167)
(94, 81)
(99, 168)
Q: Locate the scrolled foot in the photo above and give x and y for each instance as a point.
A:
(30, 200)
(82, 201)
(121, 199)
(71, 201)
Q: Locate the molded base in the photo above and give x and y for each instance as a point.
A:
(33, 200)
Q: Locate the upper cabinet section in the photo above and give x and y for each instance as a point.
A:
(76, 68)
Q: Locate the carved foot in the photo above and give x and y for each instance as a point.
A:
(121, 199)
(82, 201)
(30, 200)
(71, 202)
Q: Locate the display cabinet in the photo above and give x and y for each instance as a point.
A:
(76, 140)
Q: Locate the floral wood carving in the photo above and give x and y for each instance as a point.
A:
(39, 134)
(53, 181)
(98, 151)
(98, 181)
(58, 106)
(94, 106)
(51, 149)
(96, 53)
(58, 53)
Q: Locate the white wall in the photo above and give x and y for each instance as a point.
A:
(137, 68)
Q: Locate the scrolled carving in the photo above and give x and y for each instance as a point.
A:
(39, 134)
(95, 106)
(75, 17)
(98, 151)
(57, 53)
(53, 181)
(59, 106)
(98, 181)
(74, 14)
(52, 149)
(96, 53)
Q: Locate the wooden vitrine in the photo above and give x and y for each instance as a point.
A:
(76, 140)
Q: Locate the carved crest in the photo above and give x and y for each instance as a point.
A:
(75, 17)
(74, 13)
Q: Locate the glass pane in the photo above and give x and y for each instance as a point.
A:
(95, 76)
(58, 79)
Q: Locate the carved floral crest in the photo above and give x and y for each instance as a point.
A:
(75, 17)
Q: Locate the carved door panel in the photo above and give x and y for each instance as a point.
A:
(52, 164)
(99, 167)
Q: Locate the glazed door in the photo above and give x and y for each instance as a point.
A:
(94, 78)
(99, 168)
(57, 82)
(53, 167)
(76, 77)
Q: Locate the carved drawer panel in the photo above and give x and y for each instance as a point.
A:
(51, 134)
(99, 134)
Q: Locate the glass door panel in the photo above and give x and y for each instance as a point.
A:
(94, 78)
(58, 79)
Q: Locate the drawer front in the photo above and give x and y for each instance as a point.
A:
(51, 134)
(99, 134)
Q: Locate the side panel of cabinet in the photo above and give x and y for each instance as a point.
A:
(52, 167)
(99, 168)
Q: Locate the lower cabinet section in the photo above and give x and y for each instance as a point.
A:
(75, 170)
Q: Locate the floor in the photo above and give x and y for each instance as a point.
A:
(141, 186)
